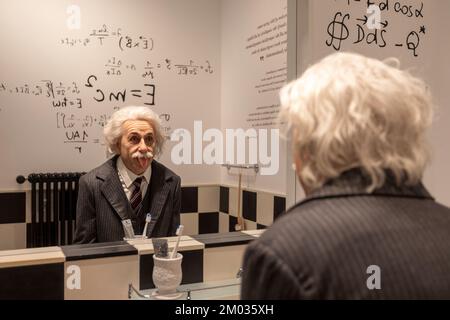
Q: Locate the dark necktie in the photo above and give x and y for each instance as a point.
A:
(136, 196)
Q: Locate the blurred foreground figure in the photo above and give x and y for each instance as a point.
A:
(367, 229)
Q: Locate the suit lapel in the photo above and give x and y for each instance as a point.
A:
(159, 189)
(113, 191)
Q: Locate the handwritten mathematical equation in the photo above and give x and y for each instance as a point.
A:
(102, 35)
(340, 28)
(146, 92)
(116, 67)
(76, 128)
(64, 96)
(46, 88)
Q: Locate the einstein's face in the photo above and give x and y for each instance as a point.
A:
(136, 145)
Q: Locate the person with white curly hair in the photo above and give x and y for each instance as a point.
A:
(129, 185)
(368, 228)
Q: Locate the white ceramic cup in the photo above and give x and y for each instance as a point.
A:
(167, 274)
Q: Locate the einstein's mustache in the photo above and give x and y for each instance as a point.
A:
(138, 154)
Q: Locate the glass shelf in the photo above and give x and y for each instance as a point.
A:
(216, 290)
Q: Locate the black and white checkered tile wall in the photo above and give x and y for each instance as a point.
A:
(213, 209)
(205, 209)
(13, 220)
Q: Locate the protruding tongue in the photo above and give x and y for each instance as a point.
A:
(143, 162)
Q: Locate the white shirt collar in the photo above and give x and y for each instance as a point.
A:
(128, 176)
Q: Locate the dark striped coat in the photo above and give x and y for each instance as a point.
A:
(322, 248)
(102, 205)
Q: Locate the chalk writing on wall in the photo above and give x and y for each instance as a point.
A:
(68, 102)
(267, 43)
(148, 69)
(134, 78)
(105, 34)
(65, 96)
(347, 27)
(269, 39)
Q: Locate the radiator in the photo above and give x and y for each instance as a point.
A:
(53, 209)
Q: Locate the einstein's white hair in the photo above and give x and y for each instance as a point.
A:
(113, 129)
(349, 111)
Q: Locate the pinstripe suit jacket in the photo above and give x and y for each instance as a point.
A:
(102, 205)
(322, 247)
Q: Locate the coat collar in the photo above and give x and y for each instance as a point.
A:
(354, 183)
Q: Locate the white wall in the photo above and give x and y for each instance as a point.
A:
(244, 24)
(437, 176)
